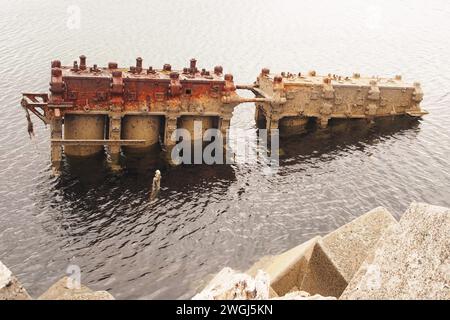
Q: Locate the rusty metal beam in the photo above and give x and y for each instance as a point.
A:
(254, 89)
(87, 142)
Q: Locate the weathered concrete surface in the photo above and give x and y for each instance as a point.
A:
(322, 275)
(295, 97)
(338, 256)
(62, 290)
(231, 285)
(288, 269)
(10, 287)
(411, 261)
(349, 245)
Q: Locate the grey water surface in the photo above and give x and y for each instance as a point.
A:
(208, 217)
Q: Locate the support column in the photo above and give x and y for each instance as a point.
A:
(170, 127)
(322, 122)
(115, 126)
(56, 149)
(224, 126)
(271, 123)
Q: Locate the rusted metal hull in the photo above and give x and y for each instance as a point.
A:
(89, 108)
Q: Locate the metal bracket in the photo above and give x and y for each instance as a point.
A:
(88, 142)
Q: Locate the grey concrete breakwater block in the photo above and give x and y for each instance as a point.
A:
(338, 256)
(325, 265)
(349, 245)
(322, 275)
(10, 287)
(286, 270)
(411, 261)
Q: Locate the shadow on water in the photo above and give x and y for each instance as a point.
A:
(342, 135)
(90, 194)
(88, 185)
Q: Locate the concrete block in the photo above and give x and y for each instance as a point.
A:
(411, 261)
(338, 256)
(10, 287)
(62, 290)
(349, 245)
(322, 275)
(286, 270)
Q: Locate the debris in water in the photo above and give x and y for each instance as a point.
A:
(156, 185)
(30, 124)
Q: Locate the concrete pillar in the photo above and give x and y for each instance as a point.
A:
(259, 116)
(83, 127)
(292, 125)
(141, 128)
(224, 126)
(271, 123)
(56, 149)
(170, 127)
(115, 125)
(322, 122)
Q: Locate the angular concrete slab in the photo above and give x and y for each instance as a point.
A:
(322, 276)
(349, 245)
(10, 287)
(286, 270)
(62, 290)
(338, 256)
(411, 261)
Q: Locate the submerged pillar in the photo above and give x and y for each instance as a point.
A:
(293, 125)
(322, 122)
(271, 123)
(115, 125)
(224, 126)
(169, 132)
(259, 116)
(56, 149)
(83, 127)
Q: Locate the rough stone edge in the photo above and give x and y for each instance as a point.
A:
(322, 288)
(328, 249)
(289, 268)
(353, 290)
(10, 287)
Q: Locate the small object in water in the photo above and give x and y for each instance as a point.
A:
(156, 185)
(30, 126)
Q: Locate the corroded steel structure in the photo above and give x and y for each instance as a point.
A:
(292, 99)
(90, 107)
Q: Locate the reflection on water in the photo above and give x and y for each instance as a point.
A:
(207, 217)
(343, 134)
